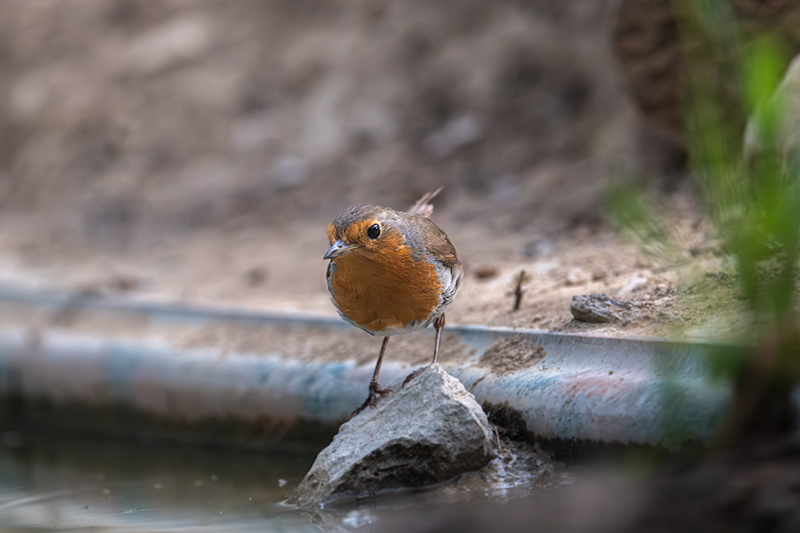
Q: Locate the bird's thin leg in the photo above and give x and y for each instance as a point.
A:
(438, 324)
(378, 363)
(375, 389)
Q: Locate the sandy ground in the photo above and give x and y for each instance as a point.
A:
(195, 151)
(281, 269)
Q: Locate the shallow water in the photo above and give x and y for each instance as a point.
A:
(85, 485)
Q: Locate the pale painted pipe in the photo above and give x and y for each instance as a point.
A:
(609, 390)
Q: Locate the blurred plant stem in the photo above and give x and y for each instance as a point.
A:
(753, 202)
(751, 196)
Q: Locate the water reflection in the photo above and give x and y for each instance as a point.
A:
(80, 485)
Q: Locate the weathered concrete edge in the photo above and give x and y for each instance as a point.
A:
(572, 393)
(611, 390)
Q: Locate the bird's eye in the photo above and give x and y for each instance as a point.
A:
(374, 231)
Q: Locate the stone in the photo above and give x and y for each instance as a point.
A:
(602, 308)
(577, 276)
(427, 432)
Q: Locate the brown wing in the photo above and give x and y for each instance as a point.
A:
(438, 243)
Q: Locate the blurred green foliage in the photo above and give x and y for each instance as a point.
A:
(751, 194)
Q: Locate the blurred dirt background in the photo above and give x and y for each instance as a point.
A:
(195, 150)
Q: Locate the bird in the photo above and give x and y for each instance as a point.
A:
(391, 273)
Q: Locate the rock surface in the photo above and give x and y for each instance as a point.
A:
(602, 308)
(426, 433)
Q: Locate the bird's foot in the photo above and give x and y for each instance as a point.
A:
(414, 374)
(375, 391)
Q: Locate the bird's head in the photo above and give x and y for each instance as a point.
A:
(364, 229)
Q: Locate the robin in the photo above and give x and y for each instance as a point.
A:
(391, 273)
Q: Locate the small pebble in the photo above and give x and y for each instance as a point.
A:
(485, 272)
(539, 248)
(577, 276)
(255, 277)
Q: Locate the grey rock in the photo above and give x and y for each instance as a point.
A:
(428, 432)
(602, 308)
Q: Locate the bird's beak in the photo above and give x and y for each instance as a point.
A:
(339, 248)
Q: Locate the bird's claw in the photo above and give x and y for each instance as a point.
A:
(414, 374)
(375, 391)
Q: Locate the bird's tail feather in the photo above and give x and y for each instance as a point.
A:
(423, 206)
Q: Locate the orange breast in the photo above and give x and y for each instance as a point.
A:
(389, 290)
